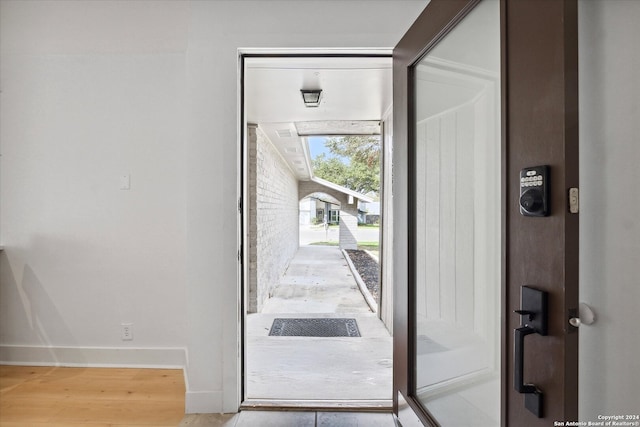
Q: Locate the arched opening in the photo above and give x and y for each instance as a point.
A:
(319, 215)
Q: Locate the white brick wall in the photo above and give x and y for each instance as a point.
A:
(273, 217)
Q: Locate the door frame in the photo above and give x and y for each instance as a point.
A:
(243, 208)
(531, 61)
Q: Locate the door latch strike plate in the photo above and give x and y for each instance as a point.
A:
(574, 200)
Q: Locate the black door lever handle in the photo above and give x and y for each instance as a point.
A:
(534, 313)
(518, 369)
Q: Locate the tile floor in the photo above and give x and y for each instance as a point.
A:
(290, 419)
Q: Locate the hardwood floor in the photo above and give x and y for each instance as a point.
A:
(95, 397)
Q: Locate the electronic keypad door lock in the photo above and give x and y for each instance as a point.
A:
(534, 320)
(534, 191)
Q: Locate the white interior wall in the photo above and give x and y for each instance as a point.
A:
(94, 90)
(87, 97)
(609, 64)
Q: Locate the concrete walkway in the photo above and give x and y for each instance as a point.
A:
(318, 280)
(318, 283)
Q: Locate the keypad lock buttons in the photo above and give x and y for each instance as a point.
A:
(534, 191)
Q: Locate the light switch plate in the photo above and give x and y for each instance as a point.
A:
(125, 182)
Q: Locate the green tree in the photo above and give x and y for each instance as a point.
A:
(362, 173)
(361, 149)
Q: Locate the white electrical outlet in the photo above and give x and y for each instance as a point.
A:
(127, 331)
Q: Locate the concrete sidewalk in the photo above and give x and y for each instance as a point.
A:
(318, 283)
(318, 280)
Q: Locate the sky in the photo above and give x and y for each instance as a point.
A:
(317, 147)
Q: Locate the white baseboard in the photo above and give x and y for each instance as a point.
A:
(94, 357)
(203, 402)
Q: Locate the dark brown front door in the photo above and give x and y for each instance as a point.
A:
(485, 154)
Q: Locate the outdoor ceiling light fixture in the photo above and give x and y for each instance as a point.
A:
(312, 97)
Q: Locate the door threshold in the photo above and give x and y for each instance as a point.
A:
(317, 405)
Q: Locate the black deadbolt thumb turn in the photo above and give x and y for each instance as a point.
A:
(531, 200)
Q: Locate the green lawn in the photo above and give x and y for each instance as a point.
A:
(359, 226)
(332, 243)
(373, 247)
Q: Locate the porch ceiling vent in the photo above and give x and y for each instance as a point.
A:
(311, 97)
(284, 133)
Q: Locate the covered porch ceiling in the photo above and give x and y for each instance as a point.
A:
(356, 92)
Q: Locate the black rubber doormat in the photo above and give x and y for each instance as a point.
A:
(315, 327)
